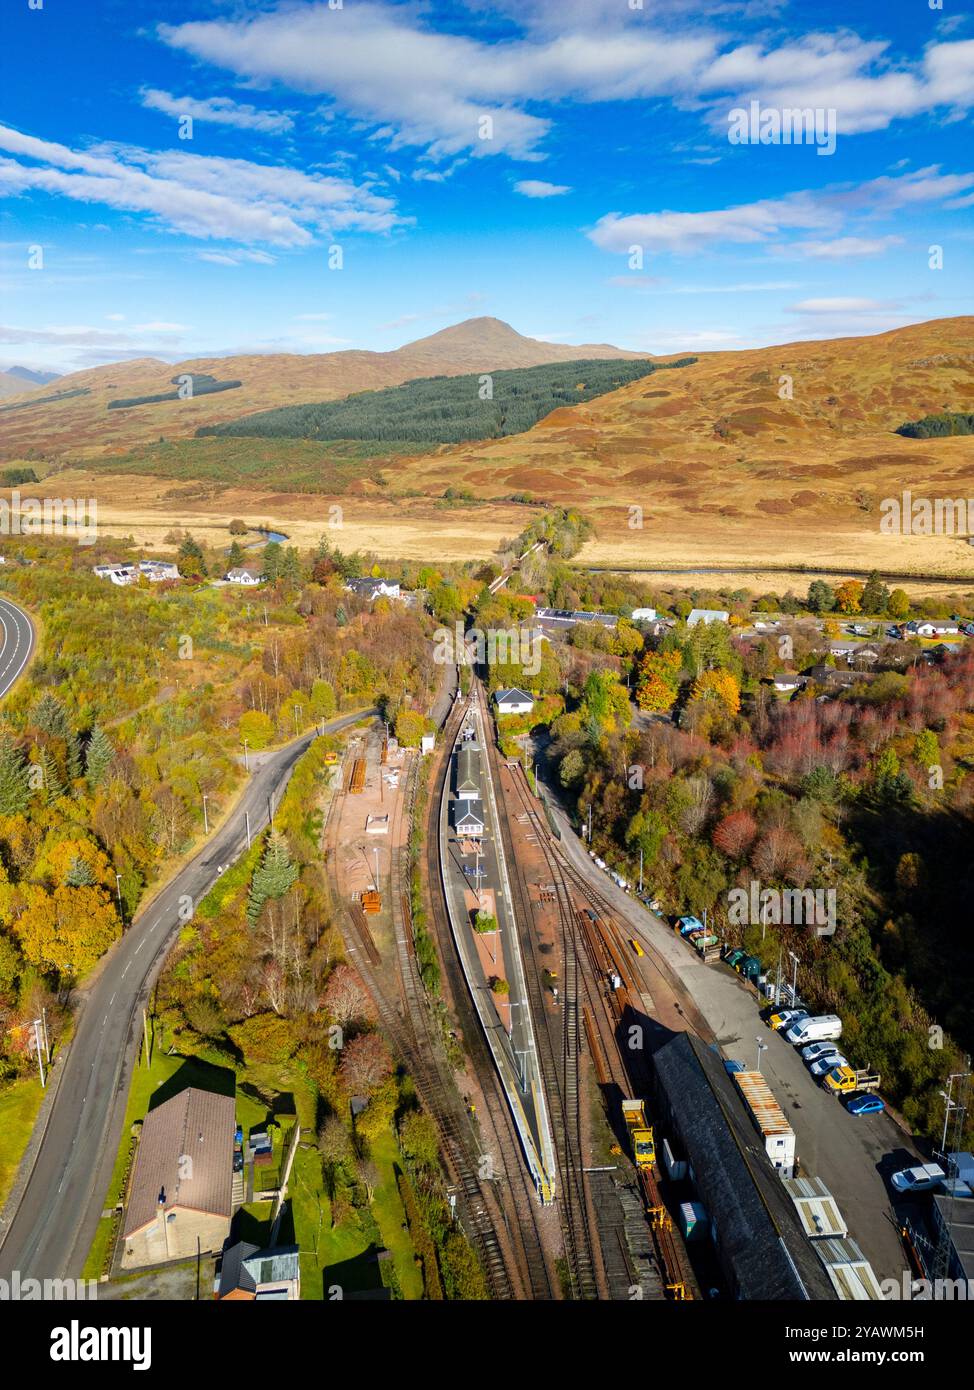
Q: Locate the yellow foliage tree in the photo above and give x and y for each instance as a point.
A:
(67, 930)
(719, 685)
(848, 596)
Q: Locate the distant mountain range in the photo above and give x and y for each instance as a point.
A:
(81, 422)
(15, 380)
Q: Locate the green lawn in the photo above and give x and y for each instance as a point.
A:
(19, 1105)
(328, 1256)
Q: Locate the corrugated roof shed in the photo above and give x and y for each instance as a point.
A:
(197, 1126)
(849, 1271)
(759, 1238)
(816, 1207)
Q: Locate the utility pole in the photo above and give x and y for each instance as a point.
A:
(37, 1044)
(640, 871)
(246, 757)
(47, 1044)
(206, 821)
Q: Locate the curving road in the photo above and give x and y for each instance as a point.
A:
(49, 1233)
(18, 643)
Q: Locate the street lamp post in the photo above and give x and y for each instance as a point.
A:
(762, 1047)
(118, 889)
(206, 821)
(246, 757)
(794, 979)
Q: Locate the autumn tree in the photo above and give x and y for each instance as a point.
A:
(257, 728)
(848, 596)
(345, 998)
(66, 931)
(659, 681)
(734, 834)
(365, 1064)
(720, 685)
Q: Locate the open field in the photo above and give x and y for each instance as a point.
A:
(777, 553)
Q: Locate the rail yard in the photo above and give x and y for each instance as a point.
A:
(566, 1064)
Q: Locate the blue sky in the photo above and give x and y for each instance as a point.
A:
(480, 158)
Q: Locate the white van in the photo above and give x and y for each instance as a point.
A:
(823, 1028)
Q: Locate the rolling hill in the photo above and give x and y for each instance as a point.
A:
(771, 458)
(83, 426)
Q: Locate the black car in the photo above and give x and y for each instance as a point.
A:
(238, 1161)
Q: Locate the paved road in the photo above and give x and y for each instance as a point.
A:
(18, 643)
(51, 1231)
(853, 1155)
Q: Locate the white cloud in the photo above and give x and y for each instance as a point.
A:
(771, 219)
(537, 188)
(846, 247)
(218, 111)
(201, 196)
(389, 68)
(841, 304)
(159, 327)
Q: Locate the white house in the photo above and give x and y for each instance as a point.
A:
(427, 743)
(786, 680)
(373, 588)
(513, 701)
(936, 629)
(241, 576)
(707, 615)
(643, 615)
(156, 570)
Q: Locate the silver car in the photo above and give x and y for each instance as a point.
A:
(814, 1051)
(826, 1064)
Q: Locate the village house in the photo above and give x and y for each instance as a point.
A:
(154, 571)
(240, 575)
(181, 1195)
(371, 589)
(787, 681)
(248, 1274)
(513, 701)
(562, 619)
(707, 615)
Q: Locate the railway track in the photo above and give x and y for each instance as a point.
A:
(603, 954)
(408, 1034)
(521, 1205)
(559, 1040)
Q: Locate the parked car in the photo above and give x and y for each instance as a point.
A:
(827, 1064)
(784, 1018)
(920, 1179)
(821, 1028)
(865, 1105)
(238, 1161)
(814, 1051)
(732, 1066)
(841, 1080)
